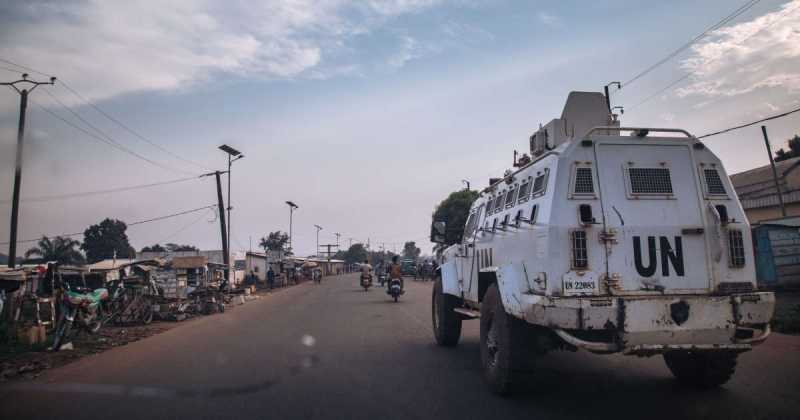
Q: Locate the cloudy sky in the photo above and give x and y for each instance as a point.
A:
(365, 113)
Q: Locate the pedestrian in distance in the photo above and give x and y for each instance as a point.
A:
(270, 278)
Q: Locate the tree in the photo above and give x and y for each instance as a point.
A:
(454, 210)
(154, 248)
(107, 240)
(411, 251)
(794, 149)
(357, 253)
(61, 249)
(178, 248)
(275, 241)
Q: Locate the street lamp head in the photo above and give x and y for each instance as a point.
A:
(230, 150)
(318, 227)
(292, 205)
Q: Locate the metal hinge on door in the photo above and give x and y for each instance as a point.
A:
(609, 236)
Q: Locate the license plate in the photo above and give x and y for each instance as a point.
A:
(579, 283)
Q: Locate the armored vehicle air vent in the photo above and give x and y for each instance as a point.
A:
(583, 181)
(714, 184)
(650, 180)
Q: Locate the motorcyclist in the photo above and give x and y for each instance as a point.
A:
(366, 270)
(395, 272)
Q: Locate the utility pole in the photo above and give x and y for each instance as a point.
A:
(337, 238)
(774, 171)
(235, 153)
(349, 243)
(23, 107)
(226, 256)
(329, 253)
(319, 228)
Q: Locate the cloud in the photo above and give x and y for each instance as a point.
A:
(758, 54)
(106, 49)
(547, 18)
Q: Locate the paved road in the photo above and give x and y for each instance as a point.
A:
(335, 352)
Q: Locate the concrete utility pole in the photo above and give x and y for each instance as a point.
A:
(349, 243)
(319, 228)
(774, 172)
(337, 238)
(23, 107)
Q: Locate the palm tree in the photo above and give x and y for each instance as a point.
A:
(61, 249)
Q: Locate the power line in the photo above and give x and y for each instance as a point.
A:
(130, 130)
(750, 123)
(687, 75)
(98, 192)
(108, 141)
(743, 8)
(25, 68)
(183, 228)
(105, 114)
(129, 224)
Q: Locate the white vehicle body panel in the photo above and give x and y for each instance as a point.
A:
(657, 239)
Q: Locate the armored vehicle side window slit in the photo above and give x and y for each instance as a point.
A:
(505, 220)
(511, 197)
(518, 217)
(524, 191)
(498, 203)
(494, 224)
(540, 184)
(489, 205)
(584, 182)
(534, 212)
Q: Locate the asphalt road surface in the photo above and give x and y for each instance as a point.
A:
(332, 351)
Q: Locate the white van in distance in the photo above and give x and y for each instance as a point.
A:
(608, 239)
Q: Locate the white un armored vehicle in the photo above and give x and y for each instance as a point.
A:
(608, 239)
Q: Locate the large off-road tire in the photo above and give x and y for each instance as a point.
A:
(707, 369)
(446, 323)
(508, 346)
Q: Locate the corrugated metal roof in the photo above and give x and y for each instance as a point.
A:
(190, 262)
(110, 264)
(763, 174)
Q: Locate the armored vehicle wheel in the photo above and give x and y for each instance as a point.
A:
(508, 346)
(702, 369)
(446, 323)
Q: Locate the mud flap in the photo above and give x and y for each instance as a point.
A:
(450, 283)
(510, 279)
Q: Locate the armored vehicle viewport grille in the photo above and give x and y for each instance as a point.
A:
(714, 184)
(583, 181)
(650, 181)
(580, 258)
(736, 248)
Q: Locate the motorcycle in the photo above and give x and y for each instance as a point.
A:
(395, 289)
(366, 282)
(81, 308)
(382, 279)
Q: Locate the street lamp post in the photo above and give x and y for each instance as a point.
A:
(233, 156)
(292, 207)
(319, 228)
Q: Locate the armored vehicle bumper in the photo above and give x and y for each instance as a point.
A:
(646, 325)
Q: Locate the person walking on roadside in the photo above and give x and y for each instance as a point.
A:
(270, 278)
